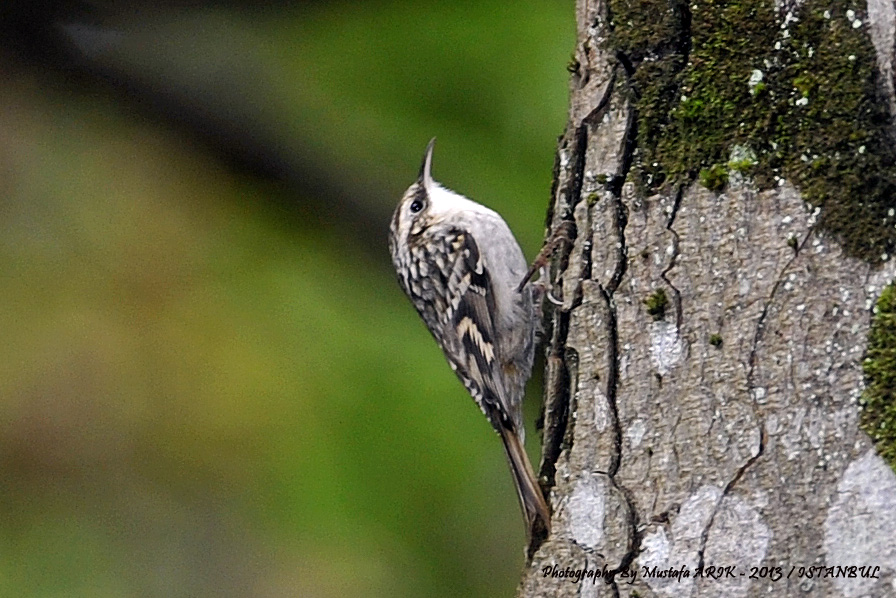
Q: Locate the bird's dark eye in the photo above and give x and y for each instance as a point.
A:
(416, 206)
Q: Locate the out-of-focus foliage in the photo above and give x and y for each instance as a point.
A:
(208, 386)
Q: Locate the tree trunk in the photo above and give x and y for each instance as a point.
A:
(711, 396)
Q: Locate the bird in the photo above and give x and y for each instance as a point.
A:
(462, 268)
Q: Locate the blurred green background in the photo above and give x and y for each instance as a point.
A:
(211, 383)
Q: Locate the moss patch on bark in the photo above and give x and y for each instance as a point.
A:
(796, 91)
(878, 416)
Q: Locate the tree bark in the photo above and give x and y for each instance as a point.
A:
(729, 169)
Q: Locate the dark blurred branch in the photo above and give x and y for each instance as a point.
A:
(68, 42)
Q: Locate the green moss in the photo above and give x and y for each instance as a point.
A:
(744, 166)
(813, 118)
(805, 84)
(656, 304)
(792, 242)
(715, 340)
(642, 28)
(878, 417)
(591, 199)
(715, 177)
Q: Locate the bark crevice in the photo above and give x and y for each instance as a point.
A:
(620, 219)
(752, 390)
(679, 193)
(558, 389)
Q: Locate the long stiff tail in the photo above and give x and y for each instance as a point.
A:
(527, 488)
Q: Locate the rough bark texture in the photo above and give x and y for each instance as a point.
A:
(705, 371)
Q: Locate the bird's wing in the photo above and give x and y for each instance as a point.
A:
(469, 329)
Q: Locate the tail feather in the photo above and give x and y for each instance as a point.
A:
(527, 488)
